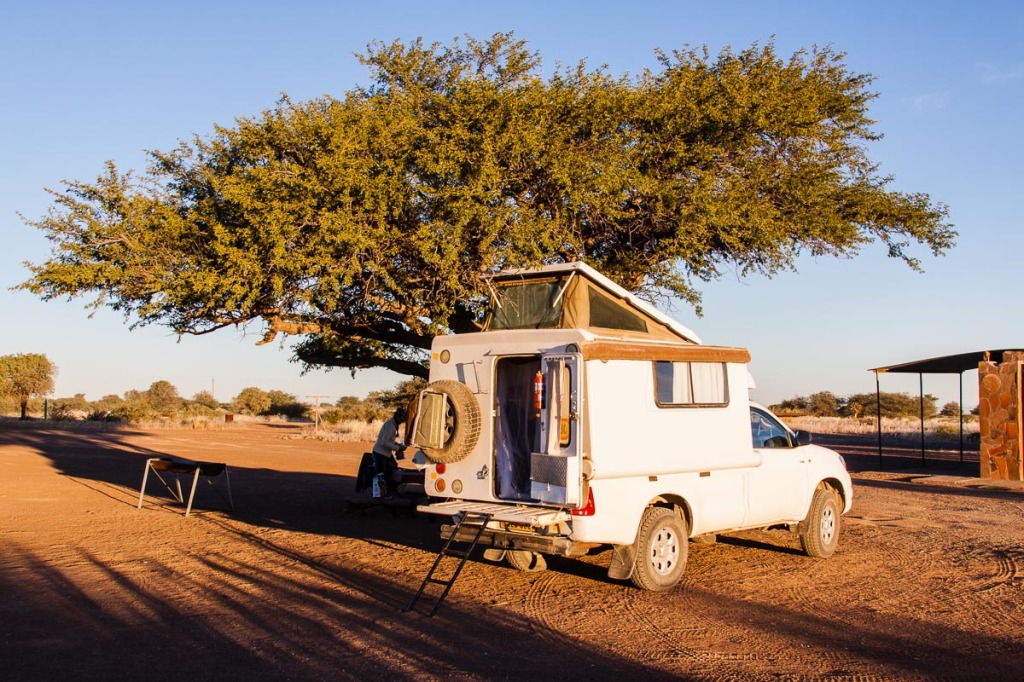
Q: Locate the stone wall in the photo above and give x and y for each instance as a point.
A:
(999, 403)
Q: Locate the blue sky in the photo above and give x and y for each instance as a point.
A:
(84, 82)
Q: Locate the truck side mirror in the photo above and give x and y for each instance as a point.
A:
(803, 438)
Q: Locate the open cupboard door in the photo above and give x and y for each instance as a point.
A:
(556, 465)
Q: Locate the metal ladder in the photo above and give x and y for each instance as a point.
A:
(469, 520)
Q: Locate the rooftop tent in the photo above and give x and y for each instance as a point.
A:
(575, 296)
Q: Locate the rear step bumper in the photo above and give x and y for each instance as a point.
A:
(529, 516)
(497, 536)
(558, 545)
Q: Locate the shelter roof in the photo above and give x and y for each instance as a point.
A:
(947, 364)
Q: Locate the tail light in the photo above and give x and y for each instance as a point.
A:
(440, 467)
(590, 508)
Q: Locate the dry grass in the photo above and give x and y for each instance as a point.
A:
(936, 430)
(346, 431)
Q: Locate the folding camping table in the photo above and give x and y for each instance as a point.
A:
(179, 466)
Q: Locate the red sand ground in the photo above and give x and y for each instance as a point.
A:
(927, 584)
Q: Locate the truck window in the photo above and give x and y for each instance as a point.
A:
(690, 383)
(564, 408)
(765, 432)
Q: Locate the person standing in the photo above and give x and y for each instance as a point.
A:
(386, 451)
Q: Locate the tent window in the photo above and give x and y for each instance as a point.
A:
(608, 314)
(690, 383)
(529, 305)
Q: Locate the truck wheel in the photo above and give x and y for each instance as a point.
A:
(661, 548)
(525, 560)
(821, 528)
(461, 422)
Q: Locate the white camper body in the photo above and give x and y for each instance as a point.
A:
(575, 438)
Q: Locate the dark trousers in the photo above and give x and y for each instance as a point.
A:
(383, 465)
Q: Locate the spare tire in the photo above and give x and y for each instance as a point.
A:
(461, 421)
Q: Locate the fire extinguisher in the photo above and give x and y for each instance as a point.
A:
(538, 391)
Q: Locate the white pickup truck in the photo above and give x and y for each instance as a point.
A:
(582, 417)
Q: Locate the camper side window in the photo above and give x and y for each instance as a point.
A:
(690, 383)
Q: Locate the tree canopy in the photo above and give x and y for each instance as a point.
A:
(827, 404)
(364, 225)
(24, 375)
(251, 400)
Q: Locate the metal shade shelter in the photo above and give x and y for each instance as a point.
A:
(946, 364)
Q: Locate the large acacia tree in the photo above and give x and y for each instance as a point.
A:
(364, 225)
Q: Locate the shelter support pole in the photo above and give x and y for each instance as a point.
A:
(878, 416)
(961, 403)
(920, 383)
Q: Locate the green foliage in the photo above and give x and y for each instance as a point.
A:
(826, 404)
(133, 412)
(134, 396)
(24, 375)
(823, 404)
(206, 399)
(9, 404)
(950, 409)
(364, 225)
(895, 404)
(287, 405)
(378, 405)
(335, 416)
(163, 397)
(389, 400)
(251, 400)
(792, 406)
(351, 408)
(194, 409)
(69, 408)
(105, 408)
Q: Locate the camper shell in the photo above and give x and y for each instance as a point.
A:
(582, 417)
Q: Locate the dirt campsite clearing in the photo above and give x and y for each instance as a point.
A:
(928, 581)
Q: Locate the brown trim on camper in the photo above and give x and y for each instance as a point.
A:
(619, 350)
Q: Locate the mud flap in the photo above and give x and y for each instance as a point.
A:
(623, 562)
(494, 554)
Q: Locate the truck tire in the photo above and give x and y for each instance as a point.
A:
(821, 528)
(462, 422)
(525, 560)
(661, 549)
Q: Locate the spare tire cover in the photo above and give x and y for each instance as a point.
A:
(462, 421)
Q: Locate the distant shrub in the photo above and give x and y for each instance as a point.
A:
(193, 409)
(332, 416)
(69, 409)
(64, 412)
(206, 398)
(251, 400)
(133, 413)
